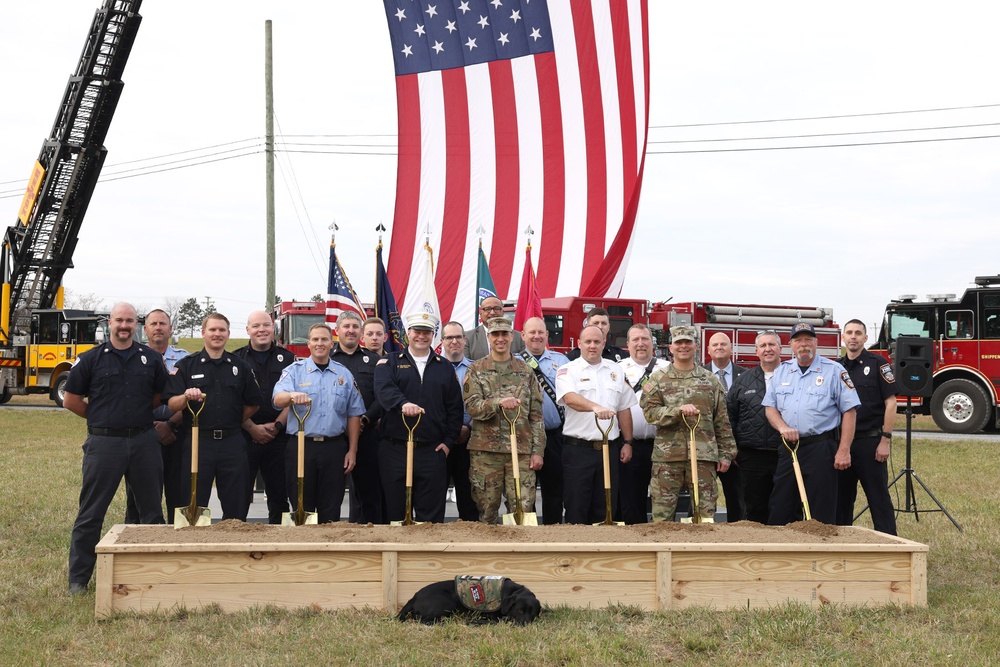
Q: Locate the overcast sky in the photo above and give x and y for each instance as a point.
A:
(847, 228)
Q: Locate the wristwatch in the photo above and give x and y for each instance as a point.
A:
(626, 442)
(279, 426)
(887, 434)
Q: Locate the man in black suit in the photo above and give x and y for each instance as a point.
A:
(720, 348)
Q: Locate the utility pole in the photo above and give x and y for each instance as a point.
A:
(269, 163)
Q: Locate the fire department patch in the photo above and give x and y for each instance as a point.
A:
(819, 380)
(868, 370)
(846, 378)
(341, 381)
(381, 361)
(886, 371)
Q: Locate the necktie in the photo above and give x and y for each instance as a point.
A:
(722, 379)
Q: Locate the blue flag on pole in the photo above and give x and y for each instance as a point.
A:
(385, 307)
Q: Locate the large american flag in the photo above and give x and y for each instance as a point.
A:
(515, 113)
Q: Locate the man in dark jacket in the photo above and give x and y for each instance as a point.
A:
(757, 442)
(417, 383)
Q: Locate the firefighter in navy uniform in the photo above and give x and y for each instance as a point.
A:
(232, 397)
(265, 433)
(122, 381)
(876, 387)
(418, 383)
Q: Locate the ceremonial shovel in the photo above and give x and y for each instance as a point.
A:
(300, 516)
(519, 517)
(605, 451)
(696, 516)
(192, 515)
(408, 519)
(798, 476)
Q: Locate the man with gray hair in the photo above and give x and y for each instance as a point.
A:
(366, 505)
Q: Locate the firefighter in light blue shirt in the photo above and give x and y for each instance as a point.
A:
(332, 427)
(810, 401)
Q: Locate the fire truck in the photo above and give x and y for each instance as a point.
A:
(966, 369)
(39, 340)
(292, 320)
(564, 318)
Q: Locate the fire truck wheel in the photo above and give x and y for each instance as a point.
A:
(59, 394)
(960, 406)
(4, 395)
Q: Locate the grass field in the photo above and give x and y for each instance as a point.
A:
(43, 625)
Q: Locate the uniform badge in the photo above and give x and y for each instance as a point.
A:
(845, 376)
(819, 380)
(281, 357)
(867, 370)
(364, 359)
(341, 381)
(614, 377)
(886, 372)
(142, 358)
(236, 371)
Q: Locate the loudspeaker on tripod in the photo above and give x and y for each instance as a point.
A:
(914, 365)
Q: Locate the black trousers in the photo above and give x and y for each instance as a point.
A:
(874, 478)
(106, 459)
(269, 459)
(820, 478)
(367, 502)
(583, 472)
(730, 481)
(633, 489)
(430, 480)
(550, 478)
(324, 479)
(757, 468)
(223, 462)
(458, 473)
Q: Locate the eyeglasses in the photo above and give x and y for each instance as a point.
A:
(491, 309)
(453, 338)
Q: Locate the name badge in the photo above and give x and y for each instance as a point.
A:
(305, 384)
(198, 377)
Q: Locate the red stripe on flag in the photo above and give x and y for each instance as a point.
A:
(603, 280)
(448, 272)
(593, 123)
(554, 159)
(508, 176)
(404, 224)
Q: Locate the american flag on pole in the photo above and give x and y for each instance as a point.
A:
(340, 295)
(514, 113)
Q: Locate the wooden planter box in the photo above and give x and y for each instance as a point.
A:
(649, 575)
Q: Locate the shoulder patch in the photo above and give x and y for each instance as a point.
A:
(562, 371)
(648, 387)
(846, 378)
(381, 361)
(886, 371)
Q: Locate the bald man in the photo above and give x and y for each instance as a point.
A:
(720, 348)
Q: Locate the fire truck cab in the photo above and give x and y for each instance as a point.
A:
(966, 367)
(292, 320)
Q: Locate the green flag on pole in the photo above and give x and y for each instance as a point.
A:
(484, 283)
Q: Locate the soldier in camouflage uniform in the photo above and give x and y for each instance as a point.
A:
(491, 383)
(686, 389)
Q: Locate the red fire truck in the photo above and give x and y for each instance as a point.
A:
(564, 319)
(292, 320)
(966, 332)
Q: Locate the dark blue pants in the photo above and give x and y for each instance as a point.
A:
(634, 486)
(730, 481)
(757, 468)
(874, 478)
(269, 459)
(224, 462)
(324, 478)
(430, 480)
(458, 473)
(367, 503)
(819, 476)
(106, 460)
(583, 472)
(550, 478)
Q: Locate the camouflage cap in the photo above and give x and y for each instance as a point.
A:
(682, 332)
(499, 324)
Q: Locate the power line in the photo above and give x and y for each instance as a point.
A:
(793, 148)
(826, 134)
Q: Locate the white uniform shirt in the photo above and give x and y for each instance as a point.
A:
(604, 384)
(641, 429)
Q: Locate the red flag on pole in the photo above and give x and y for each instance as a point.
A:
(529, 302)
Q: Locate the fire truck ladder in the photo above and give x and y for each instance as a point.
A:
(37, 254)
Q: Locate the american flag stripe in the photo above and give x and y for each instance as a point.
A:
(501, 131)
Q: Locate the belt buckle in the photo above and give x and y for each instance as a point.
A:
(217, 434)
(319, 438)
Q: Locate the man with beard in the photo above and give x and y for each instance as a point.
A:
(121, 381)
(265, 432)
(757, 443)
(812, 403)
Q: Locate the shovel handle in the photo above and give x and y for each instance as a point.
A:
(693, 452)
(194, 437)
(798, 477)
(301, 454)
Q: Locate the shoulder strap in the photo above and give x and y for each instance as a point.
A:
(645, 375)
(543, 382)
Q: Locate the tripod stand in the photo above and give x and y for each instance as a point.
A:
(910, 474)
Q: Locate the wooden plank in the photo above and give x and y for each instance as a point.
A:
(797, 566)
(103, 603)
(918, 579)
(390, 581)
(664, 569)
(530, 567)
(581, 594)
(164, 597)
(247, 566)
(762, 594)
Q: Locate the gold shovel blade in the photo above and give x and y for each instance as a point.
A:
(288, 519)
(203, 518)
